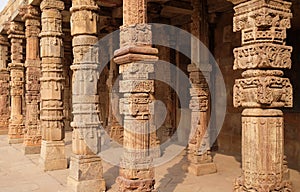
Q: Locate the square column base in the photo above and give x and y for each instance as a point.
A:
(53, 155)
(86, 174)
(3, 131)
(15, 141)
(29, 150)
(202, 169)
(128, 185)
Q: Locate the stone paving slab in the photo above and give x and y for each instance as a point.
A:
(20, 173)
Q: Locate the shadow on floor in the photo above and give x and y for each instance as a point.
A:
(175, 176)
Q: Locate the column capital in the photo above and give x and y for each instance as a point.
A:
(29, 12)
(15, 30)
(52, 4)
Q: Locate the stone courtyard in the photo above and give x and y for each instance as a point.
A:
(19, 173)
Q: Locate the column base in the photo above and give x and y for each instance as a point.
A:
(3, 131)
(202, 169)
(53, 155)
(240, 186)
(29, 150)
(86, 174)
(15, 141)
(128, 185)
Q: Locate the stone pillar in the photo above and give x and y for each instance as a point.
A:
(262, 90)
(199, 156)
(136, 60)
(4, 89)
(86, 172)
(16, 124)
(32, 132)
(53, 145)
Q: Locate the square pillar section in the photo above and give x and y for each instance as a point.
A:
(53, 145)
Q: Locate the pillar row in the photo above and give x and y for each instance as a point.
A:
(53, 146)
(136, 60)
(262, 91)
(86, 172)
(4, 89)
(16, 67)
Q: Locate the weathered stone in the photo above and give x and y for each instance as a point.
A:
(52, 125)
(261, 91)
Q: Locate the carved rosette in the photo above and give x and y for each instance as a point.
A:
(16, 67)
(261, 91)
(32, 132)
(4, 89)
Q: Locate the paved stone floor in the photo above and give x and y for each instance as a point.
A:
(19, 173)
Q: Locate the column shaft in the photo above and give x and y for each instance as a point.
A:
(136, 172)
(262, 90)
(201, 162)
(53, 146)
(32, 132)
(16, 124)
(4, 89)
(86, 174)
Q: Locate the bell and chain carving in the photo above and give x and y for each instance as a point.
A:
(263, 90)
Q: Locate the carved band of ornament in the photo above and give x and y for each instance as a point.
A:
(199, 68)
(253, 35)
(85, 67)
(136, 86)
(135, 109)
(33, 23)
(263, 92)
(52, 4)
(199, 104)
(245, 6)
(262, 73)
(199, 92)
(85, 40)
(136, 67)
(139, 35)
(262, 18)
(82, 7)
(264, 55)
(86, 55)
(3, 41)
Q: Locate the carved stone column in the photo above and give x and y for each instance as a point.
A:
(262, 91)
(16, 124)
(201, 162)
(86, 172)
(53, 146)
(4, 89)
(32, 132)
(135, 58)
